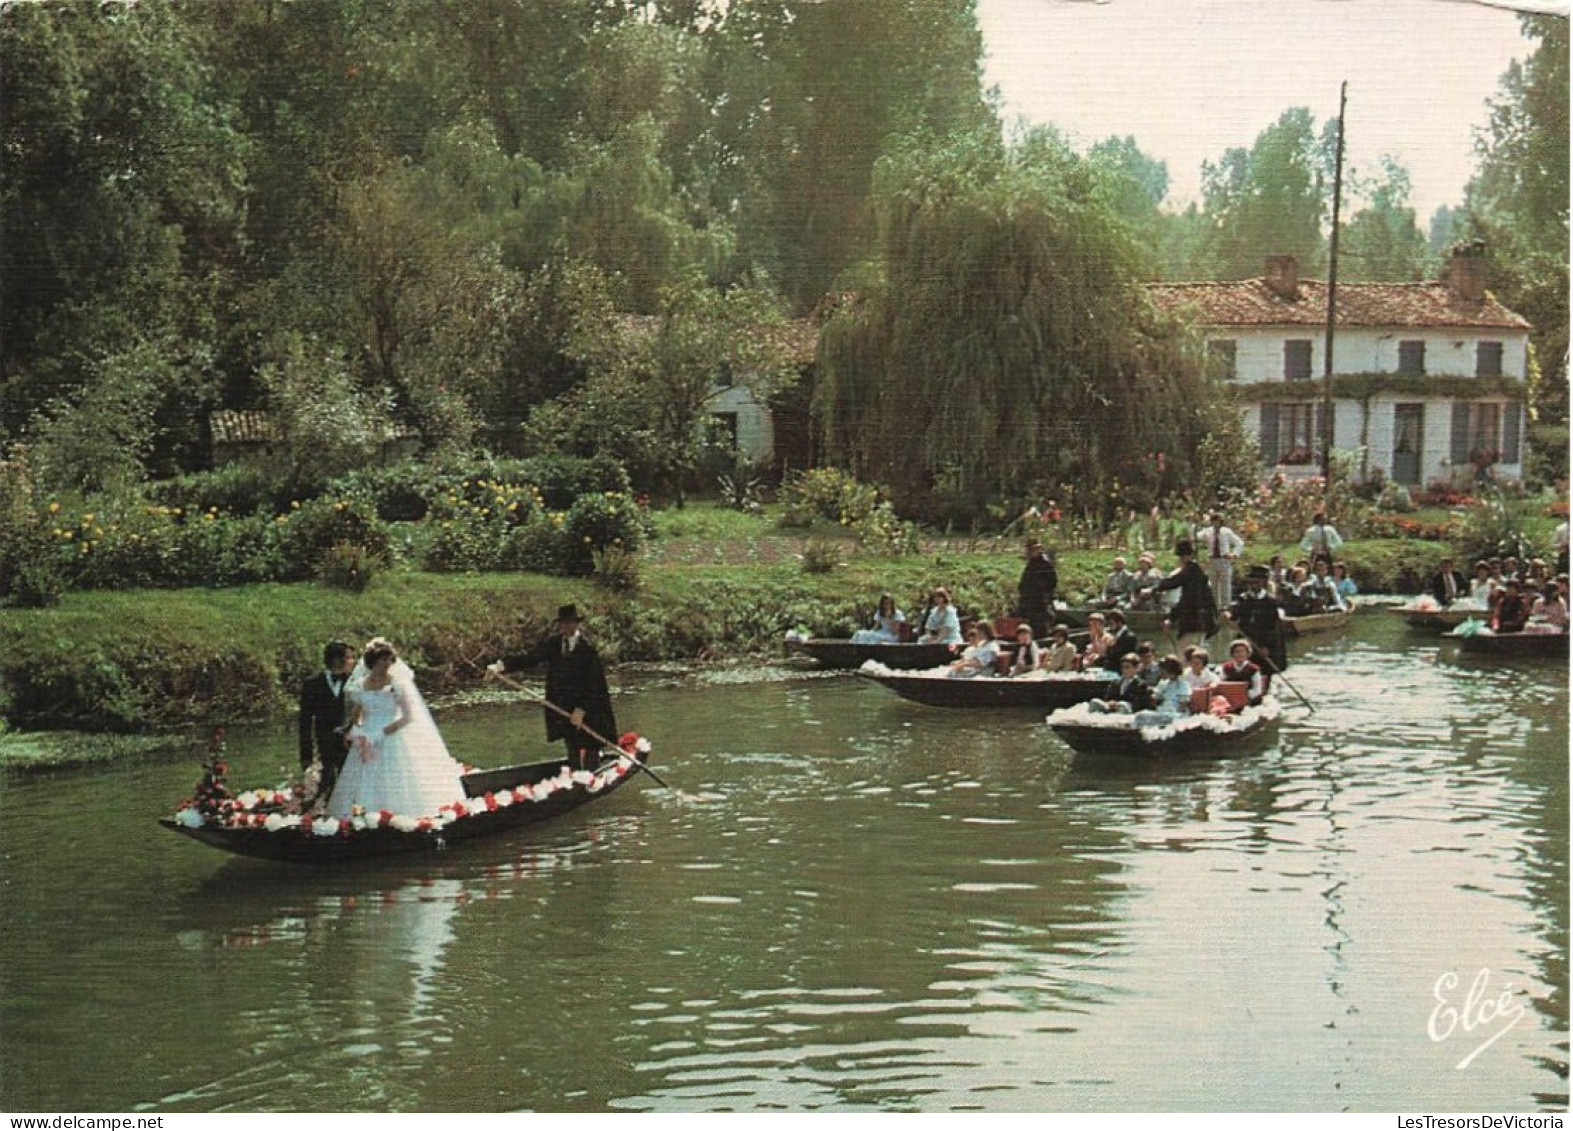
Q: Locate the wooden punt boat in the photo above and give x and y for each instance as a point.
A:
(495, 800)
(1040, 690)
(1511, 644)
(1313, 623)
(836, 653)
(1192, 736)
(1433, 617)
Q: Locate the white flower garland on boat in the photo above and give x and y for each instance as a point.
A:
(260, 809)
(1081, 715)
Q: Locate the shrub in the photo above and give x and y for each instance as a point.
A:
(616, 569)
(563, 479)
(598, 522)
(350, 566)
(882, 532)
(240, 488)
(1496, 527)
(827, 493)
(537, 547)
(308, 531)
(820, 555)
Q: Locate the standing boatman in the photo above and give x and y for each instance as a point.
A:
(1035, 591)
(1258, 616)
(575, 684)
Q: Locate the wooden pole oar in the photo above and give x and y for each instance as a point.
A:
(601, 738)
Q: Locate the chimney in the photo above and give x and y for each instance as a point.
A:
(1466, 270)
(1283, 277)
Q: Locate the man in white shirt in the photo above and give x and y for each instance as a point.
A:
(1217, 547)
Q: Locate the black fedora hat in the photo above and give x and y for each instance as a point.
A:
(568, 612)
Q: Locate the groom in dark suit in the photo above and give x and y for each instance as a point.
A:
(322, 715)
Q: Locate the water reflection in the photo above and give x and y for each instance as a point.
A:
(855, 903)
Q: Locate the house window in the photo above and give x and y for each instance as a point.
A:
(1288, 434)
(723, 377)
(1485, 433)
(1412, 357)
(1488, 359)
(1297, 359)
(1221, 352)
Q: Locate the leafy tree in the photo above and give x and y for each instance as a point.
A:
(1137, 185)
(1270, 199)
(1003, 340)
(327, 424)
(1518, 202)
(1382, 242)
(649, 393)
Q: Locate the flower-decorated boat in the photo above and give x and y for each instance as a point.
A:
(1427, 615)
(1041, 690)
(274, 824)
(1205, 733)
(831, 652)
(1476, 638)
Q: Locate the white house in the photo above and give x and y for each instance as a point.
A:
(1428, 378)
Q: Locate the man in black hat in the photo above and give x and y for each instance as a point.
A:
(1259, 617)
(575, 683)
(1194, 617)
(1035, 590)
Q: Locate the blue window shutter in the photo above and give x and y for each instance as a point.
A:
(1459, 451)
(1269, 433)
(1510, 432)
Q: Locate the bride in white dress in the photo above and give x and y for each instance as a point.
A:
(397, 760)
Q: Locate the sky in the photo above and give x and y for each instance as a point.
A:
(1192, 78)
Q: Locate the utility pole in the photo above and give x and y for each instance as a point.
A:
(1332, 299)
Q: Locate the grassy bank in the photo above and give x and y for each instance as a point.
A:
(139, 663)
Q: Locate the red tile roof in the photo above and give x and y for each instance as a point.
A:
(1252, 302)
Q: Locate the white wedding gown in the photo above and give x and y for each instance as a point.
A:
(407, 772)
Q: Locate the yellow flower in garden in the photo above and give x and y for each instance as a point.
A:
(87, 520)
(68, 533)
(54, 508)
(59, 533)
(294, 504)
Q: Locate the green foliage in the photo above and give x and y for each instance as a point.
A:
(1497, 527)
(598, 522)
(616, 569)
(821, 555)
(350, 566)
(1006, 340)
(327, 424)
(1270, 199)
(826, 493)
(309, 531)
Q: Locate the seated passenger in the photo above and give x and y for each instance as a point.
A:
(1147, 663)
(1117, 586)
(1061, 654)
(1142, 595)
(1345, 584)
(941, 626)
(1483, 589)
(1099, 642)
(888, 622)
(1550, 609)
(1198, 674)
(980, 655)
(1512, 611)
(1130, 694)
(1028, 657)
(1124, 640)
(1240, 668)
(1171, 698)
(1323, 589)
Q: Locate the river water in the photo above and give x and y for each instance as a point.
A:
(851, 903)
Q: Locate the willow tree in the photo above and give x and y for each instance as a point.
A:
(1002, 343)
